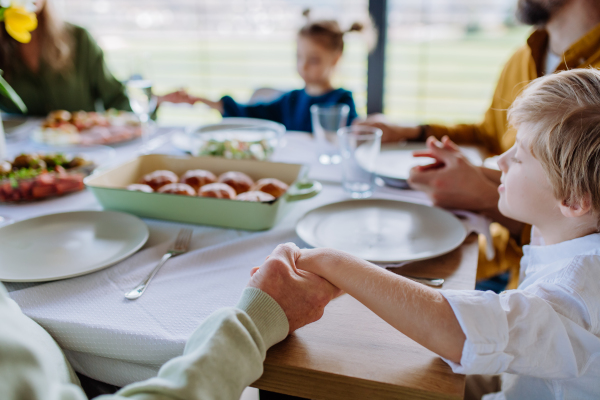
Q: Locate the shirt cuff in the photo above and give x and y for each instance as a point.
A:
(483, 321)
(230, 107)
(267, 315)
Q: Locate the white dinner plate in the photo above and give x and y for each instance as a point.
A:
(396, 159)
(382, 230)
(69, 244)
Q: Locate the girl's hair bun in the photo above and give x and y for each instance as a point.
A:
(356, 27)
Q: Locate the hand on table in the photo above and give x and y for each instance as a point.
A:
(452, 181)
(302, 295)
(391, 132)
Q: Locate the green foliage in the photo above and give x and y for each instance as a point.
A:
(7, 91)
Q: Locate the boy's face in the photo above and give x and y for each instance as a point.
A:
(314, 62)
(525, 193)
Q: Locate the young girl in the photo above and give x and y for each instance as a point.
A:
(319, 48)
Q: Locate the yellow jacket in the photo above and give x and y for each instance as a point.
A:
(524, 66)
(496, 136)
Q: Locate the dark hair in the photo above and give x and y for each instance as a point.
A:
(56, 47)
(327, 32)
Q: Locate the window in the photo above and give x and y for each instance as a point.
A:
(214, 47)
(444, 57)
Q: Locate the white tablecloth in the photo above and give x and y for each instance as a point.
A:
(118, 341)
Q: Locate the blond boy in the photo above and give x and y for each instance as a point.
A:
(544, 337)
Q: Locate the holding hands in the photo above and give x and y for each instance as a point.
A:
(302, 282)
(301, 294)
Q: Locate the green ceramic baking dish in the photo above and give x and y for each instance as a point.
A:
(109, 185)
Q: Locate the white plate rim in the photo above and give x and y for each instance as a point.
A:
(133, 250)
(433, 255)
(406, 147)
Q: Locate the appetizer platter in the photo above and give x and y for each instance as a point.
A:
(32, 176)
(41, 172)
(87, 128)
(241, 194)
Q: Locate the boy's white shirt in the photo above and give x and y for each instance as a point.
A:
(544, 337)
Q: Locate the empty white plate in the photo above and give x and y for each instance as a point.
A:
(69, 244)
(396, 160)
(382, 230)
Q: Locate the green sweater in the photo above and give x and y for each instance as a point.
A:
(223, 356)
(89, 81)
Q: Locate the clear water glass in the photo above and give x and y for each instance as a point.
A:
(142, 102)
(359, 149)
(326, 120)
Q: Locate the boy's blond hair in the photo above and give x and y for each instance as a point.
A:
(564, 111)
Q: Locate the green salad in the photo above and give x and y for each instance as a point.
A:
(238, 149)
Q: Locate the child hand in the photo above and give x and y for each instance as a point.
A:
(302, 295)
(217, 105)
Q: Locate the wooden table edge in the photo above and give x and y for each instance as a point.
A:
(325, 385)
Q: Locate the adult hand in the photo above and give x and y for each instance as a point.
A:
(452, 181)
(302, 295)
(391, 132)
(180, 96)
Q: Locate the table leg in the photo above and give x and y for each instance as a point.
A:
(266, 395)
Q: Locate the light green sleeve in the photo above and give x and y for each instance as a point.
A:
(223, 356)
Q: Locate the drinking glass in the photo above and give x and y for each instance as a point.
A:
(359, 148)
(3, 219)
(142, 102)
(326, 120)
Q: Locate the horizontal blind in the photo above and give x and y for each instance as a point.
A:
(444, 57)
(215, 47)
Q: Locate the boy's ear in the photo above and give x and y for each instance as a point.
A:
(576, 208)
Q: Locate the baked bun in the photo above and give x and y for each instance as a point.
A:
(217, 190)
(140, 187)
(197, 178)
(178, 188)
(239, 181)
(159, 178)
(273, 186)
(254, 195)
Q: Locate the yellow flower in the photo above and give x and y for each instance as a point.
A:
(19, 23)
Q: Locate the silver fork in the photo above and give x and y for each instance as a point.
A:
(179, 247)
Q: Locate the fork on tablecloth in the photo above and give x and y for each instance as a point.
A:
(179, 247)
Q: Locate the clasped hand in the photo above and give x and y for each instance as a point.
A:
(452, 181)
(301, 294)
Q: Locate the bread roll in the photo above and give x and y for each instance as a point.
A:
(255, 196)
(178, 188)
(197, 178)
(273, 186)
(159, 178)
(140, 187)
(217, 190)
(239, 181)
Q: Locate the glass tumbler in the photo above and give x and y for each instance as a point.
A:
(359, 148)
(326, 120)
(142, 102)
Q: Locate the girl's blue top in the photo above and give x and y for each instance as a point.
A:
(292, 109)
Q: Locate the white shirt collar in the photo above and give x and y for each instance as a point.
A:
(549, 254)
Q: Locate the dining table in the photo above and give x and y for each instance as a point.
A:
(350, 353)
